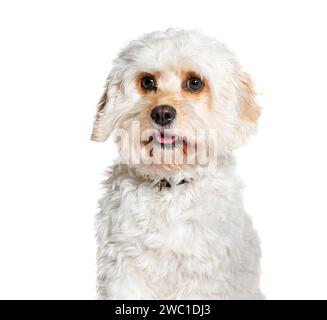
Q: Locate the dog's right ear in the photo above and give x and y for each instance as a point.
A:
(100, 130)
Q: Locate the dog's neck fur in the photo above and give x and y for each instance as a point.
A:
(163, 183)
(170, 179)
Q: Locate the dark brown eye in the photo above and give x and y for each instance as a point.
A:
(148, 83)
(194, 84)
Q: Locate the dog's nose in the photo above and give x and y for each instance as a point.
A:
(163, 115)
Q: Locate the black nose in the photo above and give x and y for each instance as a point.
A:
(163, 115)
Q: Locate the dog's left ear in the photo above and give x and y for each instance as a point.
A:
(248, 109)
(100, 132)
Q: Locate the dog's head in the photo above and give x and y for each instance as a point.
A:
(172, 95)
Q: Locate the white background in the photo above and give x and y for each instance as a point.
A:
(54, 58)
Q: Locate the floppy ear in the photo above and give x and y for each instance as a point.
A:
(249, 111)
(99, 131)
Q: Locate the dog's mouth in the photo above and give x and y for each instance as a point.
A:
(167, 140)
(164, 138)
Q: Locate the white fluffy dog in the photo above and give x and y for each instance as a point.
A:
(172, 223)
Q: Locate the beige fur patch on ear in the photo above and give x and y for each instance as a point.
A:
(249, 110)
(97, 132)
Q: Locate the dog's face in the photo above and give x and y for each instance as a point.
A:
(176, 97)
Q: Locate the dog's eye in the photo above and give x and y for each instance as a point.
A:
(194, 84)
(148, 83)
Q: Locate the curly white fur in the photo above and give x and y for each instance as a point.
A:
(192, 240)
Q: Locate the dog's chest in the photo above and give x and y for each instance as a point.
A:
(173, 234)
(183, 220)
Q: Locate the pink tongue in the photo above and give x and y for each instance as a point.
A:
(164, 140)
